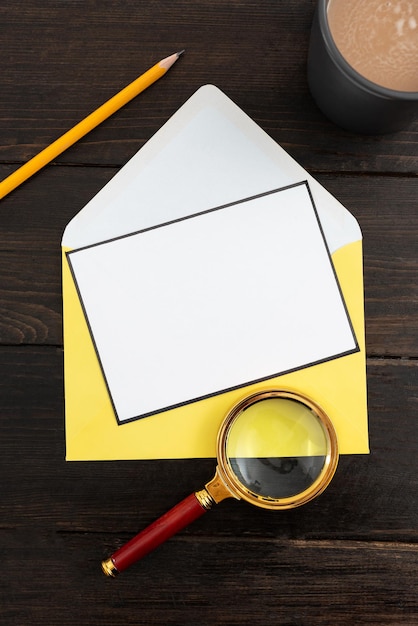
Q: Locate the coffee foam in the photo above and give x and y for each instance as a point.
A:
(378, 39)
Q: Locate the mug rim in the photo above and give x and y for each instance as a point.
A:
(351, 73)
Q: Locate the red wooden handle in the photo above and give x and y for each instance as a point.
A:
(159, 531)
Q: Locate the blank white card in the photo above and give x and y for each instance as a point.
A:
(215, 301)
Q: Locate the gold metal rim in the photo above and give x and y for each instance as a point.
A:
(314, 490)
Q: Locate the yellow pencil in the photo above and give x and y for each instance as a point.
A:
(85, 126)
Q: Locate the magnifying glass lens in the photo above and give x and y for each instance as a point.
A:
(276, 448)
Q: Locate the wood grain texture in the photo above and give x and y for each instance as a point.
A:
(65, 59)
(349, 557)
(245, 581)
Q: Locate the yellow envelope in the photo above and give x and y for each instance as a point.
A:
(208, 154)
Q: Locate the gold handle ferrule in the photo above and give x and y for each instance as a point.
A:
(109, 568)
(205, 499)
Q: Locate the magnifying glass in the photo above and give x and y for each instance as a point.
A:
(275, 449)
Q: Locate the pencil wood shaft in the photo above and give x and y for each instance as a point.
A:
(86, 125)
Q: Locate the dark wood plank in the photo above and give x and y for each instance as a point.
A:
(258, 58)
(32, 221)
(231, 581)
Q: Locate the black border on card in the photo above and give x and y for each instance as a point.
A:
(246, 383)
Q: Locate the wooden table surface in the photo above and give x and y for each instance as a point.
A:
(350, 557)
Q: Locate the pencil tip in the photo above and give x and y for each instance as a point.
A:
(168, 61)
